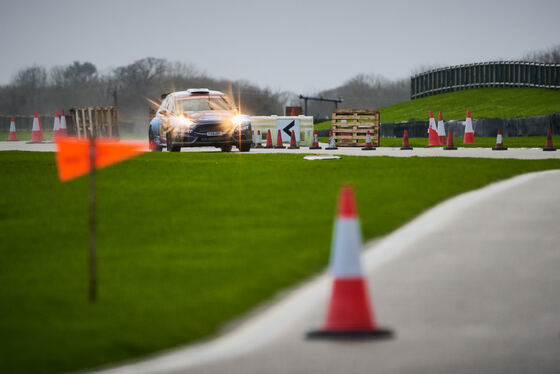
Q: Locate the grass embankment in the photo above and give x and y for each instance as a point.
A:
(186, 242)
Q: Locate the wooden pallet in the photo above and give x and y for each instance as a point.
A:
(104, 121)
(350, 127)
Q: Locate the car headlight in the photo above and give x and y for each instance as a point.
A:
(240, 120)
(184, 121)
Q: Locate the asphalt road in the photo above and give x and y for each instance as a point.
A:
(471, 286)
(518, 153)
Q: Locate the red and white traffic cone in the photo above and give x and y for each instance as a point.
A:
(405, 144)
(332, 144)
(441, 129)
(548, 147)
(433, 138)
(56, 126)
(315, 144)
(293, 143)
(279, 143)
(63, 131)
(13, 135)
(349, 312)
(369, 145)
(269, 140)
(450, 145)
(36, 131)
(469, 131)
(499, 142)
(259, 139)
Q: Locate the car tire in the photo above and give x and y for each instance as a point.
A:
(226, 148)
(153, 146)
(170, 146)
(244, 147)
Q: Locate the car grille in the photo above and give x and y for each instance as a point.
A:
(212, 127)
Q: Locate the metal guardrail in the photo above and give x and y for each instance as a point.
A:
(485, 74)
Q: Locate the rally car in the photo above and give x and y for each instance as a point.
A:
(199, 117)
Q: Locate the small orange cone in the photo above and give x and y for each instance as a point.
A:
(548, 147)
(56, 126)
(469, 132)
(405, 144)
(36, 131)
(369, 145)
(441, 129)
(62, 131)
(332, 144)
(13, 136)
(269, 140)
(259, 139)
(293, 143)
(349, 314)
(293, 113)
(279, 143)
(253, 139)
(499, 142)
(433, 138)
(315, 144)
(450, 145)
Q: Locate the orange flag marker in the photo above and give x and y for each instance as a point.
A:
(73, 159)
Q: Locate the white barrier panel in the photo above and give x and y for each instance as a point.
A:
(301, 125)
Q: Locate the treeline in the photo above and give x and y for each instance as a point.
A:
(131, 87)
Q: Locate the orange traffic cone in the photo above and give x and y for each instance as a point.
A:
(315, 144)
(332, 144)
(441, 129)
(56, 126)
(349, 313)
(405, 144)
(450, 145)
(62, 131)
(499, 142)
(13, 136)
(259, 139)
(548, 147)
(293, 113)
(36, 131)
(293, 143)
(433, 138)
(469, 131)
(269, 140)
(279, 143)
(369, 145)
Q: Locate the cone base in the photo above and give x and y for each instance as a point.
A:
(279, 147)
(549, 149)
(406, 148)
(368, 149)
(450, 148)
(12, 140)
(315, 147)
(377, 334)
(331, 148)
(499, 148)
(268, 147)
(258, 146)
(293, 147)
(41, 142)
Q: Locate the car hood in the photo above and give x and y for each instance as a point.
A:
(211, 116)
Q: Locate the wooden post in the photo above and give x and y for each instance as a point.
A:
(92, 223)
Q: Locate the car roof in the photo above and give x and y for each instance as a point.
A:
(196, 92)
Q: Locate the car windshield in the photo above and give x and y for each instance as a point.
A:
(203, 103)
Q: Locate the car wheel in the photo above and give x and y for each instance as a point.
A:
(226, 148)
(153, 146)
(170, 146)
(244, 147)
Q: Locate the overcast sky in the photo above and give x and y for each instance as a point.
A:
(301, 46)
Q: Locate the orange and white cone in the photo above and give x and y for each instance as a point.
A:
(405, 143)
(469, 131)
(36, 131)
(433, 138)
(293, 142)
(549, 146)
(349, 313)
(499, 142)
(259, 139)
(269, 140)
(450, 146)
(369, 145)
(441, 129)
(13, 135)
(279, 143)
(62, 131)
(315, 144)
(332, 144)
(56, 125)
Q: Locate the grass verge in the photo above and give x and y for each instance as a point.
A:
(187, 242)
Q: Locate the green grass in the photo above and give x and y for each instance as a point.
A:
(483, 103)
(480, 142)
(186, 242)
(25, 135)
